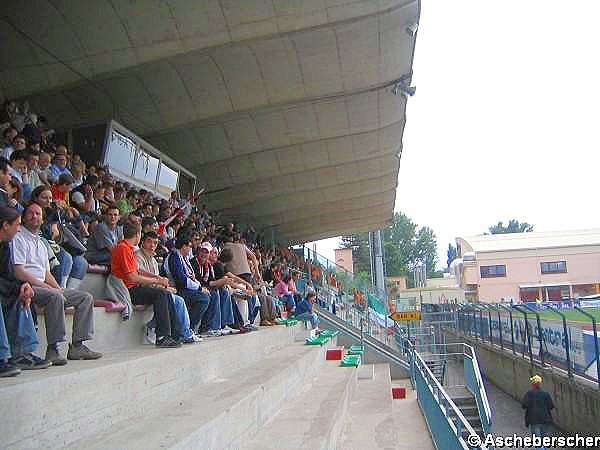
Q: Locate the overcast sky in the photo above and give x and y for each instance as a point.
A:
(505, 122)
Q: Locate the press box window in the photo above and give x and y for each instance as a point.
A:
(492, 271)
(554, 267)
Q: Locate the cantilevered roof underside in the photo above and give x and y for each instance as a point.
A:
(283, 107)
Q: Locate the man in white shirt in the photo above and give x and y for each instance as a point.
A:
(30, 257)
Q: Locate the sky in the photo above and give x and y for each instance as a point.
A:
(504, 123)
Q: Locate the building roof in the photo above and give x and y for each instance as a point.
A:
(529, 241)
(284, 110)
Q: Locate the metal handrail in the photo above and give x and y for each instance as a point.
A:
(447, 400)
(482, 392)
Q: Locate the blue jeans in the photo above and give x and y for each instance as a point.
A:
(182, 325)
(4, 344)
(69, 267)
(311, 317)
(197, 302)
(19, 331)
(539, 429)
(219, 312)
(253, 308)
(288, 299)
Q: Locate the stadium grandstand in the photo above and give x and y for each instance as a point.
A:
(158, 160)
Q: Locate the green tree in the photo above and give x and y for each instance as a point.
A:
(403, 244)
(514, 226)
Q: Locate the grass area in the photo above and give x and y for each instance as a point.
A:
(572, 315)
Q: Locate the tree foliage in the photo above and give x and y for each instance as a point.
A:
(514, 226)
(404, 244)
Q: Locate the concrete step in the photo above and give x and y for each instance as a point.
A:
(370, 420)
(55, 407)
(409, 420)
(315, 417)
(222, 414)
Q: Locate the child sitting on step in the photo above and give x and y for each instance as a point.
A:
(304, 310)
(282, 291)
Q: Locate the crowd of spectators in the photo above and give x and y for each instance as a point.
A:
(59, 215)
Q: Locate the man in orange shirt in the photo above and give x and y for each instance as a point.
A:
(61, 190)
(141, 285)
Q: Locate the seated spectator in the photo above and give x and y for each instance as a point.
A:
(16, 298)
(243, 293)
(19, 142)
(30, 258)
(43, 169)
(129, 203)
(144, 288)
(304, 310)
(33, 158)
(272, 275)
(4, 180)
(178, 268)
(14, 194)
(72, 268)
(61, 190)
(282, 290)
(60, 165)
(147, 262)
(104, 237)
(219, 315)
(8, 135)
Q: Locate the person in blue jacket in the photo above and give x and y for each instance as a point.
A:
(178, 268)
(304, 310)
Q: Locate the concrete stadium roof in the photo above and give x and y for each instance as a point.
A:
(282, 107)
(530, 241)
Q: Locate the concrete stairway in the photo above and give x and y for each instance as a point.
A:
(314, 419)
(370, 421)
(215, 394)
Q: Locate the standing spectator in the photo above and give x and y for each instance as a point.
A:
(178, 268)
(30, 258)
(104, 238)
(538, 405)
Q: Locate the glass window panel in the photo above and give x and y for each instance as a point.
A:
(120, 153)
(167, 181)
(146, 169)
(186, 184)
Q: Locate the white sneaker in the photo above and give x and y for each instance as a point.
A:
(224, 332)
(150, 334)
(211, 333)
(193, 339)
(230, 330)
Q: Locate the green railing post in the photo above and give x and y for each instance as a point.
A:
(594, 329)
(567, 340)
(540, 334)
(512, 330)
(517, 307)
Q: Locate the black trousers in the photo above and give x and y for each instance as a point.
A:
(161, 300)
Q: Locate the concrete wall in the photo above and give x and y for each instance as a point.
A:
(577, 402)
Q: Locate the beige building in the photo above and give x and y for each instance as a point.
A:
(398, 282)
(343, 258)
(526, 266)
